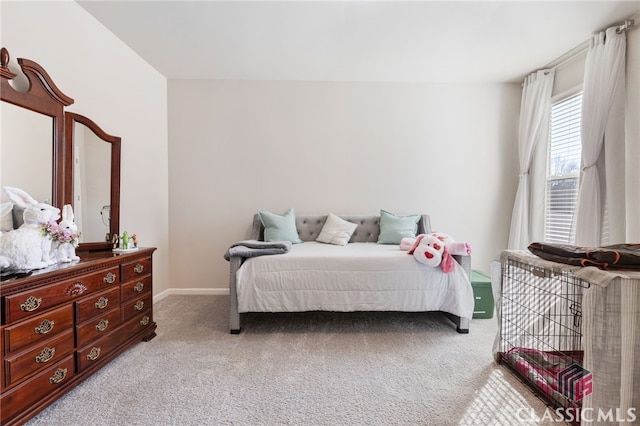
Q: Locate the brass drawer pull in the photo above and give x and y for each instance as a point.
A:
(138, 268)
(138, 287)
(58, 376)
(102, 303)
(93, 354)
(110, 278)
(45, 327)
(45, 355)
(144, 321)
(139, 305)
(31, 304)
(102, 325)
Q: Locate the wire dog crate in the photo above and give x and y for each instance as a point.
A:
(540, 336)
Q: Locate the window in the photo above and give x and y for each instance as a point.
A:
(563, 169)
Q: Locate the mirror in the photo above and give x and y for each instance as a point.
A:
(57, 156)
(32, 122)
(95, 174)
(91, 184)
(26, 157)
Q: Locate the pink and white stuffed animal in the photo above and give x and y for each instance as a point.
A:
(65, 240)
(407, 243)
(29, 246)
(451, 248)
(437, 249)
(428, 250)
(455, 247)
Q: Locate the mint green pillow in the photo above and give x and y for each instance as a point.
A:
(394, 228)
(279, 228)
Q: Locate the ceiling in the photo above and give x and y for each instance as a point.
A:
(415, 41)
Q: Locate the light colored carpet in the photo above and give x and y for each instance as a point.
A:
(301, 369)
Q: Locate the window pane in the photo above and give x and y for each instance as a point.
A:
(563, 171)
(561, 203)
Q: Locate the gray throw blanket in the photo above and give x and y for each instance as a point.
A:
(253, 248)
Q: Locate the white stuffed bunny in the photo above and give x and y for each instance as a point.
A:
(65, 240)
(29, 246)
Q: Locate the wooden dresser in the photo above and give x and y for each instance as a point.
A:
(61, 324)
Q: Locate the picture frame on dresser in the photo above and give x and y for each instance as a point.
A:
(61, 324)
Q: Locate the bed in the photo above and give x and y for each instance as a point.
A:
(359, 276)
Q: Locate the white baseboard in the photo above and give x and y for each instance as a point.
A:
(191, 292)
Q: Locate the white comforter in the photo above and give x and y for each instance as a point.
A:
(357, 277)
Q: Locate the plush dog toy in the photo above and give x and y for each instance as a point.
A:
(455, 247)
(436, 249)
(428, 250)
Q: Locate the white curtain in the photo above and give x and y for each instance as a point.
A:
(534, 123)
(604, 72)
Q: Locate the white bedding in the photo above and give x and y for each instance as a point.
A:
(357, 277)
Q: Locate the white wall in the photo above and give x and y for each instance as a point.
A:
(448, 150)
(118, 90)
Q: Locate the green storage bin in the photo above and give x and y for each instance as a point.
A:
(482, 294)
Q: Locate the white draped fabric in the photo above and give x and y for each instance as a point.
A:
(604, 72)
(534, 122)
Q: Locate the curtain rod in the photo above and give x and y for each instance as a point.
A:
(579, 49)
(629, 23)
(582, 47)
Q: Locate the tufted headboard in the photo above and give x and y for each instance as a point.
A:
(309, 227)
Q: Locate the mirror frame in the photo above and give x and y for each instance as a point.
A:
(70, 119)
(44, 97)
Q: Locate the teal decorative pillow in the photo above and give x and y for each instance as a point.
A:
(279, 228)
(394, 228)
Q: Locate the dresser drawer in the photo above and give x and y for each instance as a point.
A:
(43, 355)
(137, 268)
(135, 288)
(96, 351)
(97, 304)
(136, 324)
(38, 328)
(135, 306)
(23, 304)
(97, 326)
(141, 321)
(35, 388)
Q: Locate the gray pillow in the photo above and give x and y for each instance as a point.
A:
(6, 217)
(18, 216)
